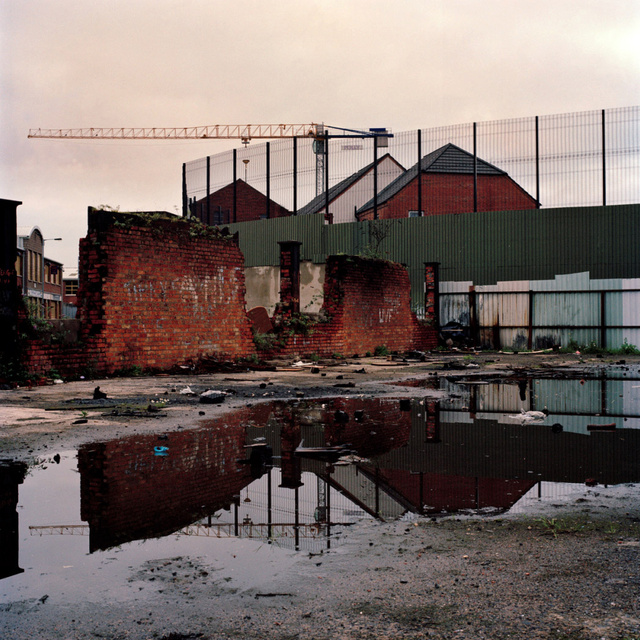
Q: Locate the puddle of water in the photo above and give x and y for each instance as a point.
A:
(236, 498)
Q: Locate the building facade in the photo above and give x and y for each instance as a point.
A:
(39, 278)
(250, 204)
(451, 181)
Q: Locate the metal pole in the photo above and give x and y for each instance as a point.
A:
(475, 168)
(296, 526)
(326, 172)
(419, 173)
(603, 319)
(236, 504)
(328, 494)
(235, 185)
(269, 503)
(295, 176)
(185, 204)
(267, 151)
(43, 313)
(604, 163)
(537, 163)
(375, 178)
(208, 190)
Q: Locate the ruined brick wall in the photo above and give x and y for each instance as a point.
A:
(67, 359)
(368, 303)
(156, 295)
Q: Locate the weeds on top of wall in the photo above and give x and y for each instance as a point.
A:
(156, 221)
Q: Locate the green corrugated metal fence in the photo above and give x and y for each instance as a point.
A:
(479, 247)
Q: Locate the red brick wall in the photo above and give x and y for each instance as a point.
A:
(369, 305)
(453, 193)
(159, 295)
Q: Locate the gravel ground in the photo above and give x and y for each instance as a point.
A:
(566, 570)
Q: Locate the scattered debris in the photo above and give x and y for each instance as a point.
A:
(328, 453)
(99, 395)
(211, 396)
(611, 426)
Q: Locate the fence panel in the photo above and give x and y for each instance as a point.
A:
(586, 158)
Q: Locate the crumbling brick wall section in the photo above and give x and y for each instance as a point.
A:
(157, 291)
(368, 305)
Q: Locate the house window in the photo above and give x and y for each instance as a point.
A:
(416, 214)
(71, 287)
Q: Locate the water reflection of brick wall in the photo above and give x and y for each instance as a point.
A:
(371, 428)
(128, 492)
(11, 475)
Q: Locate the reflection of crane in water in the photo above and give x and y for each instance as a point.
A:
(246, 529)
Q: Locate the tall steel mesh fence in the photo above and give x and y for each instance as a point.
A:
(587, 158)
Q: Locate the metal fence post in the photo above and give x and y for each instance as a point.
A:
(603, 319)
(475, 168)
(208, 189)
(419, 173)
(235, 185)
(185, 204)
(537, 162)
(604, 163)
(268, 154)
(375, 178)
(326, 172)
(530, 327)
(295, 176)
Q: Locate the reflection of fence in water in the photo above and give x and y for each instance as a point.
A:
(314, 537)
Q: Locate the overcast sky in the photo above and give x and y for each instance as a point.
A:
(405, 64)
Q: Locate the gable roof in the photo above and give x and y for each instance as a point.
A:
(318, 203)
(244, 189)
(446, 159)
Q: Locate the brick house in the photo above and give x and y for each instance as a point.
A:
(251, 204)
(346, 197)
(39, 278)
(447, 183)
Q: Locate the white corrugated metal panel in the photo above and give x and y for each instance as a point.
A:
(511, 285)
(454, 308)
(568, 396)
(509, 309)
(455, 287)
(616, 338)
(567, 309)
(499, 398)
(631, 308)
(563, 282)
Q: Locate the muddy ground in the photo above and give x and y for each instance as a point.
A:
(570, 570)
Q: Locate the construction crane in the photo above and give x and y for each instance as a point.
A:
(244, 132)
